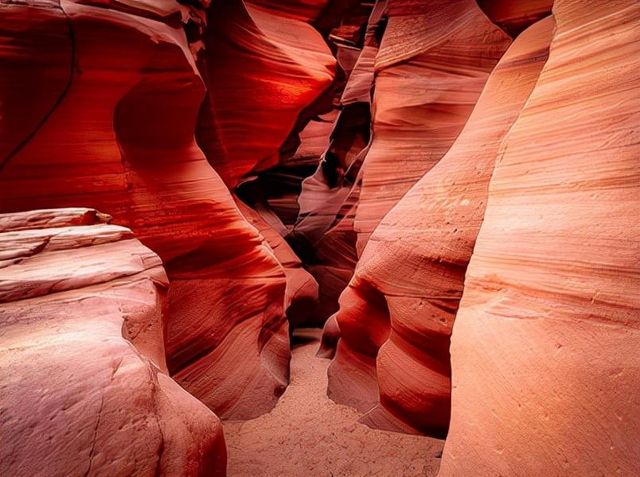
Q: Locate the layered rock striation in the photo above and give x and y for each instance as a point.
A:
(85, 387)
(434, 60)
(397, 313)
(115, 131)
(544, 347)
(263, 64)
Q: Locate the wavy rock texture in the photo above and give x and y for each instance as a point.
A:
(276, 190)
(120, 139)
(85, 389)
(423, 96)
(324, 231)
(546, 372)
(513, 16)
(434, 59)
(399, 308)
(301, 295)
(263, 64)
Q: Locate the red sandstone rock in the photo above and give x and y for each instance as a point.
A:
(262, 65)
(99, 104)
(546, 370)
(121, 139)
(515, 15)
(434, 59)
(276, 190)
(304, 10)
(396, 316)
(301, 294)
(85, 389)
(329, 197)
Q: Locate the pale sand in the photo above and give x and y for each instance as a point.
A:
(309, 435)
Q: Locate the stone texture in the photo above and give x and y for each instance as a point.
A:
(546, 372)
(397, 313)
(324, 232)
(276, 189)
(85, 389)
(263, 63)
(115, 131)
(301, 295)
(513, 16)
(434, 59)
(506, 195)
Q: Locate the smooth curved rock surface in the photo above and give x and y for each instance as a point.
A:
(513, 16)
(434, 60)
(277, 189)
(85, 389)
(328, 199)
(301, 295)
(121, 140)
(546, 373)
(262, 65)
(398, 310)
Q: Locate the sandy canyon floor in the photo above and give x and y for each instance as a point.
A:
(307, 434)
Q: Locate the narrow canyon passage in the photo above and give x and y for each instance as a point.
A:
(307, 434)
(300, 238)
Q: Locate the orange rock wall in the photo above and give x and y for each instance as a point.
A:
(434, 59)
(399, 308)
(263, 63)
(546, 371)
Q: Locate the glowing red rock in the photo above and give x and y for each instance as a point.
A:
(262, 68)
(85, 388)
(396, 316)
(301, 294)
(121, 140)
(304, 10)
(328, 200)
(546, 370)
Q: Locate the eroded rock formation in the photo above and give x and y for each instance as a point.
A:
(301, 295)
(85, 388)
(396, 316)
(422, 97)
(447, 168)
(544, 349)
(324, 232)
(434, 59)
(263, 63)
(115, 131)
(513, 16)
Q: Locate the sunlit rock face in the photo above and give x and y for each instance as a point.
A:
(546, 371)
(263, 63)
(434, 59)
(409, 278)
(110, 98)
(414, 107)
(341, 26)
(85, 388)
(450, 187)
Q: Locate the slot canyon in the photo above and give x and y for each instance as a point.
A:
(320, 238)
